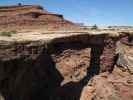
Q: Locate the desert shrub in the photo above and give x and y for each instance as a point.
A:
(95, 27)
(9, 34)
(19, 4)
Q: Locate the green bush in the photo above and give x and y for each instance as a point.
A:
(9, 34)
(95, 27)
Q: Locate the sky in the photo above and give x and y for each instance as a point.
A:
(89, 12)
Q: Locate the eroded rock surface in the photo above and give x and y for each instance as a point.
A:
(79, 67)
(115, 86)
(20, 17)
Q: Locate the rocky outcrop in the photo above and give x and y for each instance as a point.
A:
(31, 17)
(66, 68)
(115, 86)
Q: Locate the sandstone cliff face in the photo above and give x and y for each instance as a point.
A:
(64, 69)
(19, 9)
(31, 17)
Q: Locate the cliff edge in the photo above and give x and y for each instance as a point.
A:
(20, 17)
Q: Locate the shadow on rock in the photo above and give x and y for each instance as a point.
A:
(40, 80)
(28, 79)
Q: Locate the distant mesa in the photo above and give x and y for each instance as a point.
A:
(19, 17)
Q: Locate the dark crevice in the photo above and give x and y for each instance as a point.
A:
(72, 90)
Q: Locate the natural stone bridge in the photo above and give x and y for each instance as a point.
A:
(53, 66)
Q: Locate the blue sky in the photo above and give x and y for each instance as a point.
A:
(100, 12)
